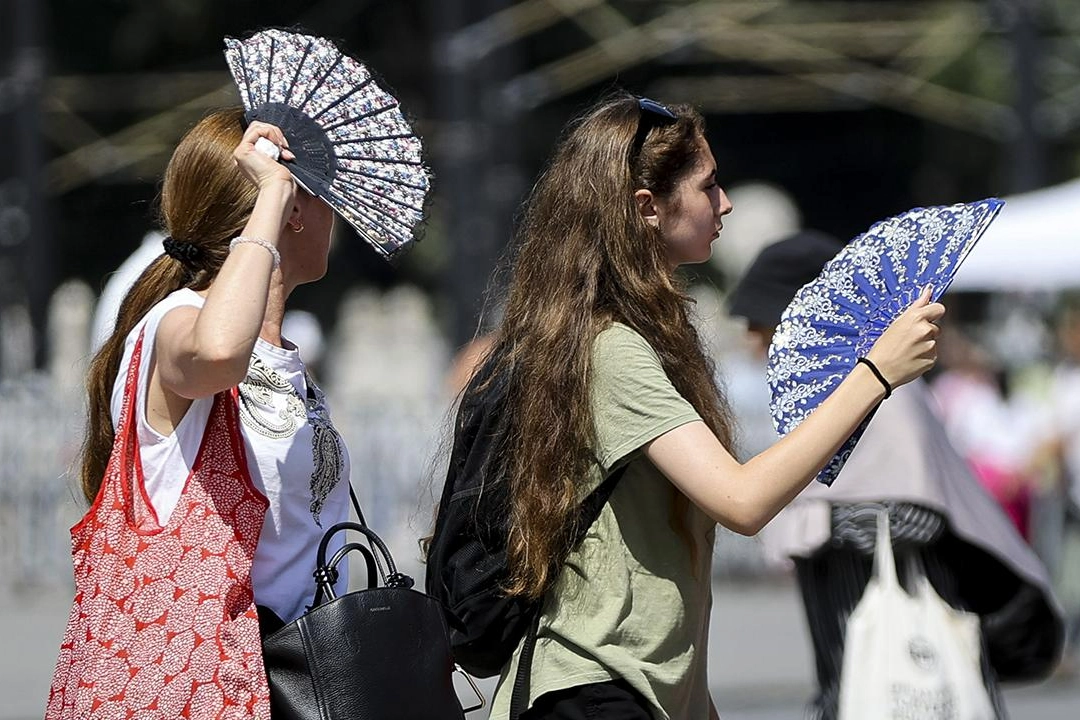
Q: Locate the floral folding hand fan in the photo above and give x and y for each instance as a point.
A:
(353, 146)
(837, 317)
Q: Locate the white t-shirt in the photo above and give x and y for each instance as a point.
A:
(295, 456)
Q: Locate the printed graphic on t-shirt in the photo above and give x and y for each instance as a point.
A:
(271, 407)
(326, 449)
(265, 388)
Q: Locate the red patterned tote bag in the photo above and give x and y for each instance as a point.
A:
(163, 624)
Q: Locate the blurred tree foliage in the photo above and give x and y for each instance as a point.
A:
(847, 162)
(99, 223)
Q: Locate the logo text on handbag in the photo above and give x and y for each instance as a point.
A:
(380, 609)
(919, 703)
(922, 653)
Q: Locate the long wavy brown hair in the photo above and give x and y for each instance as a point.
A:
(584, 259)
(204, 201)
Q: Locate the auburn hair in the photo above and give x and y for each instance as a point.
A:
(204, 201)
(586, 258)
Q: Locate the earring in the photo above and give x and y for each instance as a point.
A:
(298, 227)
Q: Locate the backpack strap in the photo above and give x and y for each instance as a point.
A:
(589, 511)
(594, 503)
(519, 700)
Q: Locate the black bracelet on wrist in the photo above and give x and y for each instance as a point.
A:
(877, 374)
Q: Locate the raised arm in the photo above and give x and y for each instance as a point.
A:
(203, 351)
(745, 496)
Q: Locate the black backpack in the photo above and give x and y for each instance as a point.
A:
(466, 559)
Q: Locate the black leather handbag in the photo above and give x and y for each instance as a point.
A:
(382, 653)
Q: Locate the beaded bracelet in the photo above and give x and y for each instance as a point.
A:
(261, 243)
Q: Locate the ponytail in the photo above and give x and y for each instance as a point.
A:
(205, 202)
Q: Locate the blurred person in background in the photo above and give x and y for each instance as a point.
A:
(1064, 449)
(938, 513)
(604, 370)
(470, 356)
(229, 469)
(117, 286)
(983, 426)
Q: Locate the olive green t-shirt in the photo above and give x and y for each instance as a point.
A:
(633, 600)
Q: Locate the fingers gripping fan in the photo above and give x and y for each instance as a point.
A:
(353, 146)
(837, 317)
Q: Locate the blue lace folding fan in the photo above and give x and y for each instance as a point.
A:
(837, 317)
(353, 146)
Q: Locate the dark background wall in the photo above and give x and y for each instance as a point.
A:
(848, 158)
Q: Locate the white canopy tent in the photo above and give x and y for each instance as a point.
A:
(1034, 244)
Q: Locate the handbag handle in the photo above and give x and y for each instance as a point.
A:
(884, 562)
(326, 573)
(369, 559)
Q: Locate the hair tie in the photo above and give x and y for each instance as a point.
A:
(877, 373)
(184, 252)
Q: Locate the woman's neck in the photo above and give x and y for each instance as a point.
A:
(275, 311)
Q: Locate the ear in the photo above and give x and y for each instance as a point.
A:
(296, 218)
(646, 205)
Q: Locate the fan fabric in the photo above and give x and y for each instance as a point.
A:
(353, 146)
(835, 319)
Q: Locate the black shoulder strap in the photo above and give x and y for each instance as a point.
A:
(519, 700)
(356, 506)
(591, 505)
(590, 510)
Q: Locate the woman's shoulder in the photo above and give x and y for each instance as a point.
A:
(147, 326)
(147, 329)
(180, 298)
(619, 348)
(184, 297)
(619, 336)
(620, 343)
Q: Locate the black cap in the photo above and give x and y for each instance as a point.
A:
(777, 273)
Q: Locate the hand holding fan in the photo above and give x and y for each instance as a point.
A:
(353, 146)
(835, 319)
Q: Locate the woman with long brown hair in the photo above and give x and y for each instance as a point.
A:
(210, 463)
(605, 371)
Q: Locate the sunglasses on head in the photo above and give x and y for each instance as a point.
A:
(650, 115)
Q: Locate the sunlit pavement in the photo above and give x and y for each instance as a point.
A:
(760, 662)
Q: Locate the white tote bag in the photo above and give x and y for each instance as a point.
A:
(910, 656)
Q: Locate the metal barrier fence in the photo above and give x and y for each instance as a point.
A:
(392, 446)
(39, 440)
(397, 448)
